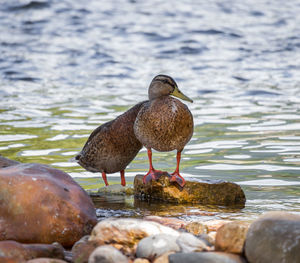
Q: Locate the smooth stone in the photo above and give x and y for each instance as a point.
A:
(212, 237)
(41, 204)
(274, 237)
(207, 257)
(214, 225)
(107, 254)
(154, 246)
(141, 260)
(189, 243)
(21, 252)
(231, 237)
(82, 249)
(127, 232)
(116, 189)
(167, 221)
(204, 192)
(46, 260)
(163, 258)
(4, 162)
(196, 228)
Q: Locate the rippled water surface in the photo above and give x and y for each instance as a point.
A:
(68, 66)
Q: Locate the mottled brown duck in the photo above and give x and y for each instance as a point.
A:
(164, 124)
(112, 146)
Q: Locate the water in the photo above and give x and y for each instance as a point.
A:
(68, 66)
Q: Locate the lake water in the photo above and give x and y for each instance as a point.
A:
(67, 66)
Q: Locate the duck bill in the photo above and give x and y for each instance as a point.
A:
(177, 93)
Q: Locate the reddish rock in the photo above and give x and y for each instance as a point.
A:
(40, 204)
(167, 221)
(21, 252)
(204, 192)
(231, 237)
(214, 225)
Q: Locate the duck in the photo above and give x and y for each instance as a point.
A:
(112, 146)
(164, 124)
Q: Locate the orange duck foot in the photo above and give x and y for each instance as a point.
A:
(152, 175)
(176, 177)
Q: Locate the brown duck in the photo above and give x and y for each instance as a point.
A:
(164, 124)
(112, 146)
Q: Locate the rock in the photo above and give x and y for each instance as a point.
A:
(196, 228)
(163, 258)
(116, 189)
(214, 225)
(204, 192)
(167, 221)
(231, 237)
(212, 237)
(141, 260)
(10, 260)
(107, 254)
(274, 237)
(41, 204)
(207, 257)
(4, 162)
(22, 252)
(189, 243)
(154, 246)
(46, 260)
(82, 249)
(127, 232)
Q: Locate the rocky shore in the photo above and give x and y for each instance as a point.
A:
(45, 216)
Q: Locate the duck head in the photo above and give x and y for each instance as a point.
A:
(163, 85)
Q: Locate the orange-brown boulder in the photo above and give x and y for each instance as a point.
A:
(40, 204)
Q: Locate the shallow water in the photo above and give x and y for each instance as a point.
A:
(67, 67)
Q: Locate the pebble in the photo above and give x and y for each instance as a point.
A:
(107, 254)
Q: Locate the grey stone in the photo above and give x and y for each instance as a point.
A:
(154, 246)
(205, 257)
(274, 236)
(189, 243)
(107, 254)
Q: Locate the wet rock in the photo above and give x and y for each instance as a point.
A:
(46, 260)
(127, 232)
(231, 237)
(167, 221)
(41, 204)
(204, 192)
(82, 249)
(154, 246)
(196, 228)
(189, 243)
(207, 257)
(116, 189)
(274, 237)
(107, 254)
(22, 252)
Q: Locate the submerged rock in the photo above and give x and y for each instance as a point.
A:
(41, 204)
(204, 192)
(231, 237)
(21, 252)
(274, 237)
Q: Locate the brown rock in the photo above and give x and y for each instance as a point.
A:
(167, 221)
(231, 237)
(4, 162)
(10, 260)
(82, 249)
(196, 228)
(212, 237)
(204, 192)
(22, 252)
(214, 225)
(46, 260)
(274, 237)
(41, 204)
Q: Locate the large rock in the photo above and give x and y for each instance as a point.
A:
(207, 257)
(21, 252)
(274, 237)
(204, 192)
(40, 204)
(126, 233)
(231, 237)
